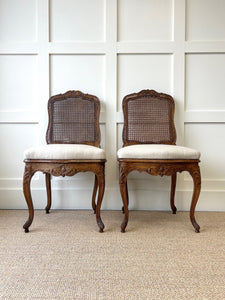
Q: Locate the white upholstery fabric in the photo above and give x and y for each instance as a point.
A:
(64, 151)
(157, 151)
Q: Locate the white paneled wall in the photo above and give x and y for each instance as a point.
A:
(111, 48)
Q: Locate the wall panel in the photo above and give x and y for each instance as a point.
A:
(17, 24)
(205, 20)
(77, 20)
(152, 20)
(18, 77)
(205, 75)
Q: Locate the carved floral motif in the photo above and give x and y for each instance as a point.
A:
(60, 169)
(155, 170)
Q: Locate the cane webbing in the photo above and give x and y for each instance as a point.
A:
(149, 120)
(73, 120)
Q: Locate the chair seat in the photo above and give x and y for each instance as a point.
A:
(157, 151)
(64, 151)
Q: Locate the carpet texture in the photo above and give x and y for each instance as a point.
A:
(65, 257)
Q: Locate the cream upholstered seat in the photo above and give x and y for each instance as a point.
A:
(157, 151)
(73, 145)
(64, 151)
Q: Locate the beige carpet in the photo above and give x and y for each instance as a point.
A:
(65, 257)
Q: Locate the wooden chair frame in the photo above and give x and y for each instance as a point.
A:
(67, 167)
(165, 167)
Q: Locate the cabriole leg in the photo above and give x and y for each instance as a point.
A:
(27, 194)
(94, 194)
(101, 189)
(196, 175)
(49, 194)
(127, 198)
(172, 192)
(124, 196)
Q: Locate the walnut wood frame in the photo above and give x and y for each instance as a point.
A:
(166, 167)
(66, 167)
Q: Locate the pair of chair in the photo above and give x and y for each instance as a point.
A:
(73, 145)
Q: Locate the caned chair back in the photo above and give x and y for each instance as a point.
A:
(148, 118)
(73, 119)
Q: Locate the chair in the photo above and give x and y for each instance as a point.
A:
(149, 138)
(73, 145)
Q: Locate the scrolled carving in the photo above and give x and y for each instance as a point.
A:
(28, 168)
(28, 173)
(62, 170)
(155, 169)
(123, 175)
(99, 170)
(194, 171)
(158, 171)
(164, 170)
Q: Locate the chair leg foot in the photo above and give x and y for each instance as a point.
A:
(123, 210)
(122, 230)
(27, 224)
(195, 225)
(124, 223)
(100, 225)
(47, 211)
